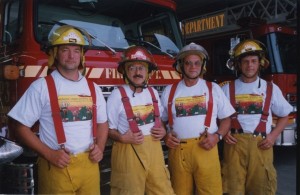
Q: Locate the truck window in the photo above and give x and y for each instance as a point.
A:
(117, 24)
(12, 21)
(282, 52)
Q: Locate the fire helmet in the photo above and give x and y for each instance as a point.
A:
(65, 35)
(245, 48)
(190, 49)
(140, 54)
(137, 53)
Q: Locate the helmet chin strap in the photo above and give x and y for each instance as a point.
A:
(143, 86)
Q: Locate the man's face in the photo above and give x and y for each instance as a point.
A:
(249, 66)
(68, 57)
(137, 72)
(192, 66)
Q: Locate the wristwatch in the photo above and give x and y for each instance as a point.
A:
(219, 136)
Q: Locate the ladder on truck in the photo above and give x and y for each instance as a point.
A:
(269, 11)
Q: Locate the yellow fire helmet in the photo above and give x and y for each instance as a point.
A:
(191, 49)
(66, 35)
(244, 48)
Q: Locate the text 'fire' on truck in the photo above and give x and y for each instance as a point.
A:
(270, 21)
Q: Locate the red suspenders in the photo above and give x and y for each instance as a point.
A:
(129, 113)
(58, 125)
(261, 127)
(209, 103)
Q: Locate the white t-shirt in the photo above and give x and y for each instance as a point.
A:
(141, 104)
(250, 100)
(189, 107)
(75, 103)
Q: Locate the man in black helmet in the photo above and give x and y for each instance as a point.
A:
(193, 135)
(137, 158)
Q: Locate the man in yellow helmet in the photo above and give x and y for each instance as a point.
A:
(248, 155)
(134, 124)
(191, 108)
(70, 147)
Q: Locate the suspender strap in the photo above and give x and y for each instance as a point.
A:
(156, 110)
(209, 104)
(261, 127)
(129, 113)
(235, 124)
(170, 100)
(57, 120)
(94, 107)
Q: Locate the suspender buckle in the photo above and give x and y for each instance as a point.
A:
(257, 133)
(62, 146)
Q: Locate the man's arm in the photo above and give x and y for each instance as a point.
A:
(271, 138)
(59, 158)
(128, 138)
(212, 139)
(102, 134)
(97, 149)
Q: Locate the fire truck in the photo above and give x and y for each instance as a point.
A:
(112, 26)
(269, 21)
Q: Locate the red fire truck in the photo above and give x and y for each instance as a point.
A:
(219, 31)
(112, 25)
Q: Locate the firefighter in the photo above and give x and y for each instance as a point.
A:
(137, 162)
(192, 138)
(248, 150)
(69, 151)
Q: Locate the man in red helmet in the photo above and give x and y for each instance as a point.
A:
(137, 158)
(248, 153)
(191, 109)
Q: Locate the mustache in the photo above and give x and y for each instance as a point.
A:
(138, 76)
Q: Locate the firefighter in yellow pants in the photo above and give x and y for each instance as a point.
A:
(193, 135)
(248, 154)
(134, 111)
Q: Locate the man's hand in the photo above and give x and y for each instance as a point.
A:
(132, 138)
(96, 154)
(59, 158)
(158, 133)
(171, 140)
(209, 141)
(229, 139)
(267, 143)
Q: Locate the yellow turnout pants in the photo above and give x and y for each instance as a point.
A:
(81, 177)
(139, 169)
(190, 164)
(246, 169)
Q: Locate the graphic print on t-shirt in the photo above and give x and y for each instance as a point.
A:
(190, 106)
(143, 114)
(249, 103)
(75, 108)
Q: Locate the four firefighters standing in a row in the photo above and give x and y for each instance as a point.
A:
(192, 116)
